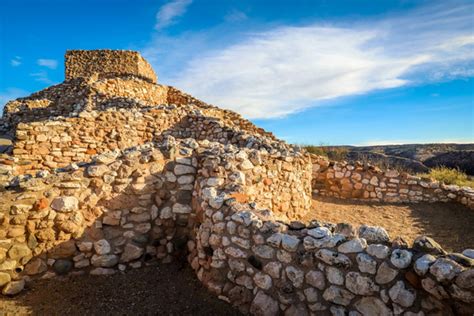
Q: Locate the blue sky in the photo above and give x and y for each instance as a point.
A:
(333, 72)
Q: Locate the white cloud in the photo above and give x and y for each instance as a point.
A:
(15, 62)
(168, 13)
(49, 63)
(42, 76)
(11, 94)
(286, 69)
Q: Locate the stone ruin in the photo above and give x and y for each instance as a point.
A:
(110, 171)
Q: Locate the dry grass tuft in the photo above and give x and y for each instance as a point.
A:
(450, 176)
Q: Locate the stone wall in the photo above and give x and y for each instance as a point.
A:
(119, 212)
(132, 207)
(89, 63)
(110, 171)
(55, 144)
(244, 255)
(366, 182)
(79, 118)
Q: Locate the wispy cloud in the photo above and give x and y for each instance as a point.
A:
(15, 62)
(169, 12)
(49, 63)
(235, 16)
(286, 69)
(10, 94)
(41, 76)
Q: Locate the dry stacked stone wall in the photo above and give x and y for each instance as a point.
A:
(89, 63)
(109, 172)
(366, 182)
(248, 257)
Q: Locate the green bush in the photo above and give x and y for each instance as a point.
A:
(450, 176)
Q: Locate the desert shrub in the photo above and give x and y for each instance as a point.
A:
(332, 152)
(317, 150)
(450, 176)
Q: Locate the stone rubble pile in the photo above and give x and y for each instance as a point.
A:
(110, 171)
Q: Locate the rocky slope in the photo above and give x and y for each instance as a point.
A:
(417, 158)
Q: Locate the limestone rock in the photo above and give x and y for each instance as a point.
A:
(428, 245)
(14, 287)
(401, 295)
(334, 275)
(235, 252)
(319, 232)
(378, 250)
(131, 252)
(385, 274)
(338, 295)
(35, 266)
(183, 169)
(275, 240)
(102, 247)
(316, 279)
(290, 243)
(97, 170)
(434, 289)
(465, 280)
(264, 251)
(181, 209)
(273, 269)
(333, 258)
(19, 251)
(372, 306)
(295, 275)
(105, 261)
(366, 263)
(445, 269)
(469, 253)
(262, 280)
(359, 284)
(264, 305)
(353, 246)
(401, 258)
(106, 158)
(373, 234)
(423, 264)
(311, 294)
(4, 278)
(65, 204)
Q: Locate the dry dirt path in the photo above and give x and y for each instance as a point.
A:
(450, 224)
(162, 290)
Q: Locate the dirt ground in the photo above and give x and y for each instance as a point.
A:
(450, 224)
(162, 290)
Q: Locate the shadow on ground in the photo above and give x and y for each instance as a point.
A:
(450, 224)
(158, 290)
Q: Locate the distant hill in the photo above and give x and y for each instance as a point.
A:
(411, 157)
